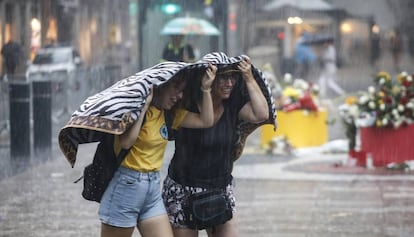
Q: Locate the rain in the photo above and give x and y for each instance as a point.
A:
(340, 74)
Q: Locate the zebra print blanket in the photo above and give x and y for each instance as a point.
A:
(114, 109)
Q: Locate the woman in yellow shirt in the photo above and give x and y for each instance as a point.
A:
(133, 197)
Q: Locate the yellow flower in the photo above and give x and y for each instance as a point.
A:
(291, 92)
(381, 94)
(350, 100)
(385, 75)
(401, 77)
(396, 90)
(378, 123)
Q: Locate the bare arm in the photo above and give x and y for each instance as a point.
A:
(128, 138)
(205, 118)
(256, 110)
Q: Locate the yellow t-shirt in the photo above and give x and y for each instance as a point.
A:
(147, 153)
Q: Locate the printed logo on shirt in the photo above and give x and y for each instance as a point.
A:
(164, 132)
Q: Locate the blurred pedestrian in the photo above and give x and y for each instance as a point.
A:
(12, 54)
(203, 160)
(328, 75)
(411, 46)
(396, 47)
(375, 50)
(304, 58)
(178, 50)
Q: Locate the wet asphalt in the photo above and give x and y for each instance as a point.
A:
(272, 200)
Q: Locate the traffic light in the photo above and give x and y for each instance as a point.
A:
(170, 8)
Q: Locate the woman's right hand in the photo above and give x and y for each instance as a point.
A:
(208, 77)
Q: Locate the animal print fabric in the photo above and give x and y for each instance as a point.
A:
(114, 109)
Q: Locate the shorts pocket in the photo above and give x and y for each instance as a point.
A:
(126, 192)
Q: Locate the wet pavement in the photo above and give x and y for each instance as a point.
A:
(276, 196)
(289, 196)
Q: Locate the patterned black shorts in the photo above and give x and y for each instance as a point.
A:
(174, 194)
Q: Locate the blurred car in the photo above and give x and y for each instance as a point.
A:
(60, 61)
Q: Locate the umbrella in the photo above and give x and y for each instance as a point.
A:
(314, 5)
(114, 109)
(189, 26)
(318, 39)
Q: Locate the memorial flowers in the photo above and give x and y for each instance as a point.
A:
(298, 94)
(390, 103)
(387, 103)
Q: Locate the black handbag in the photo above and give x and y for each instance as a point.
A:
(207, 209)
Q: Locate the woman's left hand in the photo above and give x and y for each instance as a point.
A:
(245, 66)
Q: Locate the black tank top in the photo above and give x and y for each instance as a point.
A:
(202, 156)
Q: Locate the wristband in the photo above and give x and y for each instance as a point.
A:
(205, 90)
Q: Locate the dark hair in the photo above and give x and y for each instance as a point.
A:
(176, 80)
(192, 92)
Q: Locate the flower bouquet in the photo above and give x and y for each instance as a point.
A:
(390, 102)
(386, 104)
(299, 94)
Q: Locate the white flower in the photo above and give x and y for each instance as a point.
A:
(409, 78)
(382, 107)
(410, 105)
(397, 123)
(384, 121)
(354, 111)
(401, 108)
(288, 78)
(363, 99)
(301, 84)
(382, 81)
(371, 105)
(371, 90)
(395, 112)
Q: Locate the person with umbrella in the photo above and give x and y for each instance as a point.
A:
(177, 29)
(304, 57)
(178, 50)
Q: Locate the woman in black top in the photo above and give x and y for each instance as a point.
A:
(202, 158)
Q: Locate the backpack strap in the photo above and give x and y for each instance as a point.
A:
(121, 156)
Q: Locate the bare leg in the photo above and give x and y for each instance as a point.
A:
(158, 226)
(334, 86)
(228, 229)
(184, 232)
(112, 231)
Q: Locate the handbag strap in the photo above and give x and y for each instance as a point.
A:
(119, 158)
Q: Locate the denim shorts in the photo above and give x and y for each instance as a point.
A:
(131, 197)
